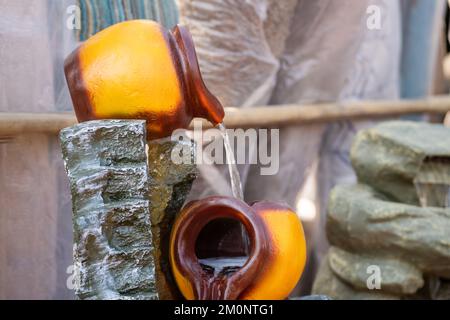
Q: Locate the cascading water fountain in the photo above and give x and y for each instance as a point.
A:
(154, 76)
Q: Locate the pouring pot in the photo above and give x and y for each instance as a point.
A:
(139, 70)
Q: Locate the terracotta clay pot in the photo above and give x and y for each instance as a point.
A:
(139, 70)
(207, 228)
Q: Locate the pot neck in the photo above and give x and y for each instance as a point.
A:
(200, 100)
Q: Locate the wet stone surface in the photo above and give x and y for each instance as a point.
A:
(126, 193)
(169, 185)
(107, 168)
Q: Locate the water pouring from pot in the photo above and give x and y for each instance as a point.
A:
(139, 70)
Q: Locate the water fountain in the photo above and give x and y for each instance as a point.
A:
(127, 193)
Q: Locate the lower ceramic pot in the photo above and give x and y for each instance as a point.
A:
(223, 248)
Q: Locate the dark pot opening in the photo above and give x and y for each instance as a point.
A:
(220, 246)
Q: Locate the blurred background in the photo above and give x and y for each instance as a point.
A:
(251, 53)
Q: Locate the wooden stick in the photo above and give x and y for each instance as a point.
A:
(51, 123)
(268, 116)
(303, 114)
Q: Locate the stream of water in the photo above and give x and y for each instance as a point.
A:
(235, 178)
(218, 282)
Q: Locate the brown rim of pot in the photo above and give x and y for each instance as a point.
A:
(77, 87)
(203, 103)
(195, 217)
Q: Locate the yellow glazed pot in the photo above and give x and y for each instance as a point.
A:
(275, 260)
(139, 70)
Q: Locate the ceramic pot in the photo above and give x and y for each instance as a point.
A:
(139, 70)
(274, 259)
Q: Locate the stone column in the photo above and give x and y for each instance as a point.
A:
(107, 167)
(126, 193)
(169, 185)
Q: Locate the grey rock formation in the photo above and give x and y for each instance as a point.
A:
(169, 184)
(378, 223)
(390, 156)
(107, 167)
(397, 277)
(329, 284)
(362, 220)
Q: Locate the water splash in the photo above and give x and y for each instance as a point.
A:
(223, 265)
(219, 269)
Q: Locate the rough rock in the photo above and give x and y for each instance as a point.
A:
(365, 221)
(329, 284)
(379, 223)
(397, 277)
(169, 184)
(107, 168)
(390, 156)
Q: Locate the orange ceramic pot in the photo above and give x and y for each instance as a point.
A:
(276, 255)
(139, 70)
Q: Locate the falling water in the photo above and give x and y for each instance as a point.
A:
(219, 270)
(235, 178)
(236, 186)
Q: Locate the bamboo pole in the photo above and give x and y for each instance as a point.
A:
(12, 124)
(283, 115)
(267, 116)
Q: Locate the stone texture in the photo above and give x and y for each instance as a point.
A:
(106, 164)
(379, 222)
(390, 156)
(169, 184)
(397, 277)
(329, 284)
(362, 220)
